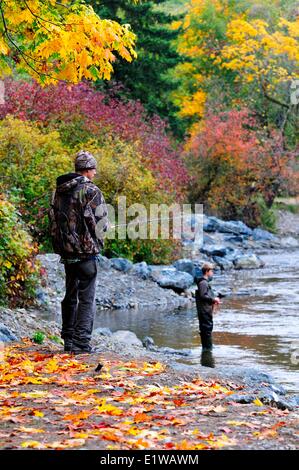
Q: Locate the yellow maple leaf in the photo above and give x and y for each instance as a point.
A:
(258, 402)
(33, 445)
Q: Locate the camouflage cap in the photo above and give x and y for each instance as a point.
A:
(85, 161)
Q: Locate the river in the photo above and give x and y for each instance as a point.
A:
(256, 326)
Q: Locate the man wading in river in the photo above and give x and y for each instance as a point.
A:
(206, 301)
(78, 220)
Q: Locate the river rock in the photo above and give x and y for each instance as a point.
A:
(102, 332)
(217, 250)
(213, 224)
(148, 343)
(103, 262)
(249, 261)
(142, 270)
(289, 242)
(208, 240)
(127, 337)
(185, 265)
(121, 264)
(238, 398)
(225, 264)
(236, 239)
(295, 401)
(263, 235)
(177, 352)
(6, 335)
(42, 297)
(272, 399)
(173, 279)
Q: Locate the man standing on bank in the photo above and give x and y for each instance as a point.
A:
(206, 301)
(78, 219)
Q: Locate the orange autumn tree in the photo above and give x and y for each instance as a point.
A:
(233, 164)
(60, 40)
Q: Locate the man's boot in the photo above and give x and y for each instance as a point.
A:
(206, 341)
(68, 344)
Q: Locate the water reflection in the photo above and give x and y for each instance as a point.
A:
(207, 359)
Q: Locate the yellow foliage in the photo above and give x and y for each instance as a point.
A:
(122, 172)
(53, 42)
(195, 105)
(30, 159)
(217, 37)
(257, 53)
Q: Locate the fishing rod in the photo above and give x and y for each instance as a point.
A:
(148, 220)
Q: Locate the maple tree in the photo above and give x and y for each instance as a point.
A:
(60, 40)
(230, 155)
(240, 59)
(238, 53)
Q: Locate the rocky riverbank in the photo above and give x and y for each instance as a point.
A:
(124, 285)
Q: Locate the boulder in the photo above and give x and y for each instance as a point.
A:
(42, 297)
(103, 262)
(121, 264)
(127, 337)
(238, 398)
(185, 265)
(271, 398)
(207, 240)
(289, 242)
(224, 263)
(217, 250)
(142, 270)
(6, 335)
(173, 279)
(102, 332)
(236, 238)
(259, 234)
(213, 224)
(177, 352)
(157, 270)
(148, 343)
(250, 261)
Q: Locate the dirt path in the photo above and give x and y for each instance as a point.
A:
(52, 400)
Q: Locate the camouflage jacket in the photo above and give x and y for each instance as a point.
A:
(78, 217)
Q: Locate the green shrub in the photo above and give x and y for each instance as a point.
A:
(152, 251)
(268, 218)
(19, 269)
(30, 161)
(38, 337)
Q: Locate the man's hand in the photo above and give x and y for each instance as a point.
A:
(217, 301)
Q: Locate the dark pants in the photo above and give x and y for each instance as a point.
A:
(205, 317)
(78, 305)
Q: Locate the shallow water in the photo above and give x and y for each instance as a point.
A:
(257, 326)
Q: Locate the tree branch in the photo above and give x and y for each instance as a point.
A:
(274, 100)
(38, 17)
(23, 54)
